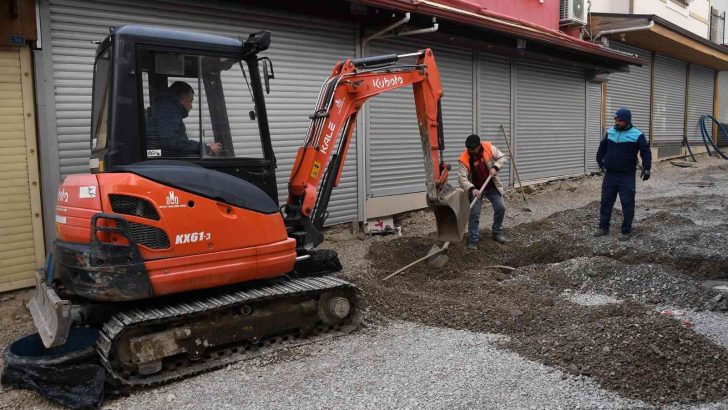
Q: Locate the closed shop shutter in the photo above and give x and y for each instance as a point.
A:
(300, 60)
(494, 99)
(700, 96)
(594, 128)
(550, 120)
(21, 230)
(395, 155)
(631, 90)
(669, 106)
(723, 106)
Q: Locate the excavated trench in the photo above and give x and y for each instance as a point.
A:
(628, 346)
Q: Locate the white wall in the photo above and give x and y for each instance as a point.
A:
(611, 6)
(694, 17)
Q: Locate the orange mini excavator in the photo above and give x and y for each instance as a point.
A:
(174, 247)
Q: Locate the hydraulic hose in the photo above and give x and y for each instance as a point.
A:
(708, 139)
(687, 144)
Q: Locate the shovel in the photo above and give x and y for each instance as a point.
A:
(526, 208)
(435, 256)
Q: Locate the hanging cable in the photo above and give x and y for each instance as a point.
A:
(709, 139)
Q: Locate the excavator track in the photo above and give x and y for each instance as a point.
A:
(158, 344)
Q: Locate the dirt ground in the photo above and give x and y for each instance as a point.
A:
(628, 347)
(592, 307)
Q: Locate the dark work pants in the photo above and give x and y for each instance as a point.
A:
(499, 211)
(624, 185)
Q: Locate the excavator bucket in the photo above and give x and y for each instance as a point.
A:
(451, 208)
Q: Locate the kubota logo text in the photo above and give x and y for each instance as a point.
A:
(387, 82)
(192, 237)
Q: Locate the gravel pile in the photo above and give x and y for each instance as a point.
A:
(402, 366)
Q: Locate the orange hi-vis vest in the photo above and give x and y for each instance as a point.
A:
(487, 156)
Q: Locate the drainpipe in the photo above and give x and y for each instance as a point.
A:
(432, 29)
(379, 33)
(624, 30)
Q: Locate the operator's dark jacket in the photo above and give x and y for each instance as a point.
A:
(165, 129)
(618, 150)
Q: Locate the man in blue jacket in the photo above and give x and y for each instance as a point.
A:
(617, 156)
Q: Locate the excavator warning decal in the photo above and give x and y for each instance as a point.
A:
(315, 169)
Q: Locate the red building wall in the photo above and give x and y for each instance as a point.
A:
(544, 14)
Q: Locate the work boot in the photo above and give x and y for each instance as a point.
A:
(624, 236)
(472, 246)
(499, 237)
(601, 232)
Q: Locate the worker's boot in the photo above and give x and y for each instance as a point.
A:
(624, 236)
(472, 246)
(499, 237)
(601, 232)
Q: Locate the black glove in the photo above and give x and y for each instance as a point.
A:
(645, 175)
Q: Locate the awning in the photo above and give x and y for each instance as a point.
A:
(653, 33)
(472, 14)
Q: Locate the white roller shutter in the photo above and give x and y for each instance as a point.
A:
(395, 161)
(550, 120)
(494, 99)
(722, 106)
(303, 49)
(594, 129)
(701, 88)
(631, 90)
(669, 105)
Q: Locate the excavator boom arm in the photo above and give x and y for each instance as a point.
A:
(320, 161)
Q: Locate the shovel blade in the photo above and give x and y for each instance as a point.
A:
(436, 256)
(451, 209)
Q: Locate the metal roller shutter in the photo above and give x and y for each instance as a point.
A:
(594, 129)
(631, 90)
(550, 126)
(394, 151)
(701, 87)
(301, 66)
(494, 101)
(722, 106)
(21, 232)
(669, 108)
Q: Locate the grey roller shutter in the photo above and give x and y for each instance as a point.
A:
(722, 106)
(700, 96)
(494, 100)
(550, 120)
(301, 63)
(395, 160)
(669, 108)
(594, 129)
(630, 90)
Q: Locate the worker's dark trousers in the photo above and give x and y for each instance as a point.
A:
(624, 185)
(499, 211)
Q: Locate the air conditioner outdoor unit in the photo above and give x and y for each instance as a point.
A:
(572, 13)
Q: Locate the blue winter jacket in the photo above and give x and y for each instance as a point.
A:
(618, 150)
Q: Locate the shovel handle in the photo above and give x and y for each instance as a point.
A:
(429, 255)
(480, 191)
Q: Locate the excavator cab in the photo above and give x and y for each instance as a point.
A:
(222, 124)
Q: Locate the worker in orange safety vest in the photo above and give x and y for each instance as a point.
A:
(477, 162)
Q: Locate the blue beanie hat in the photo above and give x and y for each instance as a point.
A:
(624, 115)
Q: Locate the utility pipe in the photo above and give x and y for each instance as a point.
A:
(624, 30)
(376, 35)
